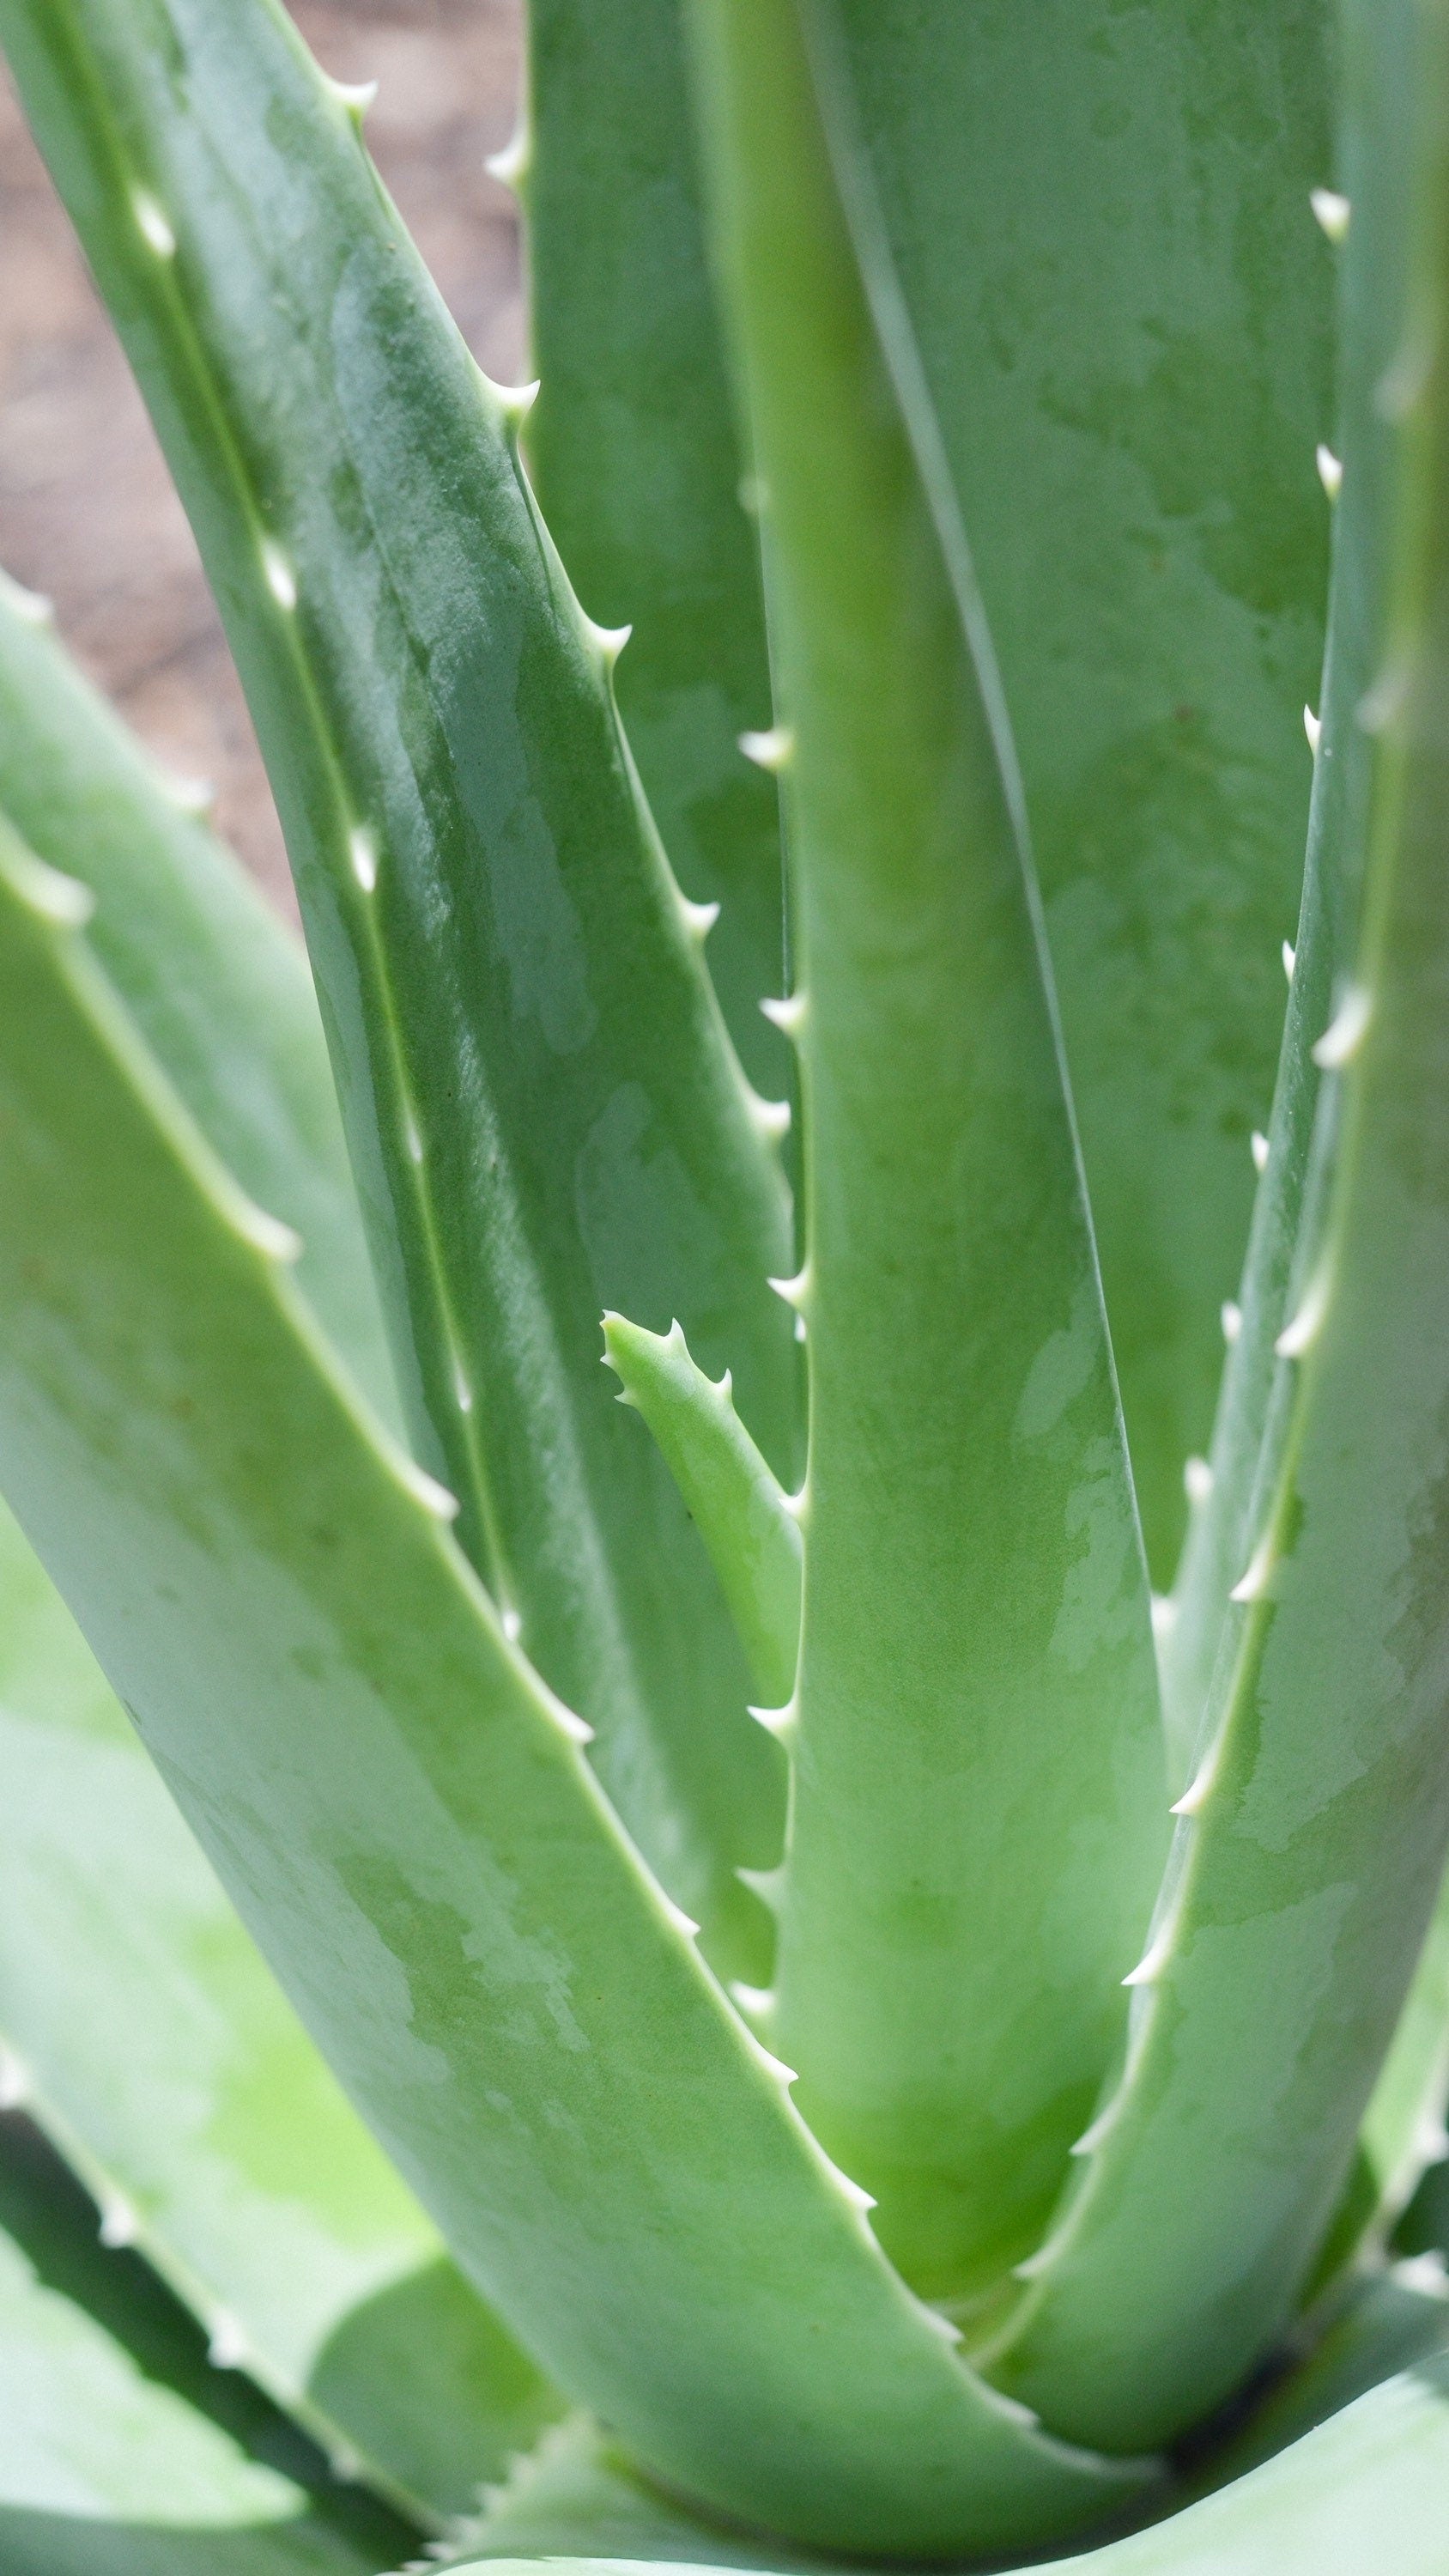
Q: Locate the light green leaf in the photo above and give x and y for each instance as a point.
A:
(1403, 2129)
(576, 2495)
(1311, 1845)
(121, 2454)
(542, 1108)
(637, 466)
(403, 1816)
(1403, 2133)
(151, 2042)
(966, 1886)
(736, 1503)
(216, 983)
(1362, 2496)
(1098, 219)
(1385, 2324)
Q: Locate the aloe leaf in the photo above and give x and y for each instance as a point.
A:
(576, 2495)
(121, 2453)
(542, 1108)
(1390, 2323)
(1403, 2133)
(1123, 320)
(402, 1814)
(1357, 2497)
(216, 983)
(1320, 961)
(145, 2034)
(1403, 2129)
(740, 1509)
(965, 1889)
(634, 456)
(1311, 1845)
(1362, 2496)
(1424, 2227)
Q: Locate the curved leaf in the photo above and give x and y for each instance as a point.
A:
(402, 1814)
(735, 1502)
(543, 1111)
(1362, 2496)
(636, 463)
(964, 1888)
(1096, 216)
(216, 983)
(151, 2043)
(1311, 1845)
(121, 2454)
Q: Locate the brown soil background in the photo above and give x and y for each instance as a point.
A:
(87, 512)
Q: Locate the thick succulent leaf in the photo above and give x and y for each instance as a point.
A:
(1404, 2127)
(542, 1107)
(1320, 962)
(740, 1509)
(401, 1811)
(1097, 221)
(121, 2453)
(217, 984)
(1424, 2227)
(1311, 1844)
(635, 459)
(1403, 2135)
(576, 2496)
(1363, 2496)
(151, 2042)
(1387, 2323)
(964, 1888)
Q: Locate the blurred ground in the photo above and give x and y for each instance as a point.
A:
(87, 513)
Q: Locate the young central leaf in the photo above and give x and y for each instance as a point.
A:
(979, 1812)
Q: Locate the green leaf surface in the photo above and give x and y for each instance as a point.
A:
(542, 1108)
(1386, 2324)
(1097, 214)
(217, 984)
(121, 2453)
(1424, 2227)
(576, 2495)
(1403, 2129)
(403, 1816)
(739, 1508)
(965, 1887)
(634, 455)
(1403, 2133)
(150, 2041)
(1363, 2496)
(1311, 1846)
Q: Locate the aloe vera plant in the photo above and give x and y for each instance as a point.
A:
(820, 1943)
